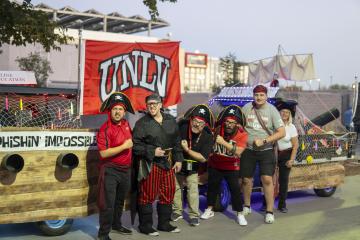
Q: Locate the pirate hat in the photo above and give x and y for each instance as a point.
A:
(114, 98)
(288, 104)
(233, 111)
(201, 111)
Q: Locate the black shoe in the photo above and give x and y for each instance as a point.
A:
(103, 237)
(122, 230)
(283, 209)
(194, 222)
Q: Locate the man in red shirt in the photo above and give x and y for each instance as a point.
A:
(230, 142)
(114, 141)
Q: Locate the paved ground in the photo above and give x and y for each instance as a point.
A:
(310, 217)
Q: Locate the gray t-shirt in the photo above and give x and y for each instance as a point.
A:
(270, 116)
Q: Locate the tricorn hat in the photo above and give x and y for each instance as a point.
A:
(117, 97)
(202, 111)
(233, 111)
(288, 104)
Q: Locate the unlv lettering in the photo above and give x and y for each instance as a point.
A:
(221, 149)
(136, 71)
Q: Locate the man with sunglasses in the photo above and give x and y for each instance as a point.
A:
(197, 143)
(230, 142)
(157, 145)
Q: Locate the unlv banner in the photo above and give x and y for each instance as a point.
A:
(137, 69)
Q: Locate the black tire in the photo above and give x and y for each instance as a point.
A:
(55, 227)
(223, 198)
(325, 192)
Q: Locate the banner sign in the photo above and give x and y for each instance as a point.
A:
(47, 140)
(17, 77)
(136, 69)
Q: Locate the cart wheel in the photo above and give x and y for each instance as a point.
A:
(55, 227)
(223, 199)
(325, 192)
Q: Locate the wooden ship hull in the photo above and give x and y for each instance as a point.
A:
(44, 189)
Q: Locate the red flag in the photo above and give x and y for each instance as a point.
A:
(137, 69)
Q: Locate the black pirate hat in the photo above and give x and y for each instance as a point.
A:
(233, 111)
(201, 111)
(288, 104)
(117, 97)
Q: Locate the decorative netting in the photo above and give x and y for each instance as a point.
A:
(43, 111)
(322, 136)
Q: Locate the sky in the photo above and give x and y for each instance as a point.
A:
(252, 30)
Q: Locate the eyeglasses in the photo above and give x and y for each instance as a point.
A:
(197, 122)
(230, 123)
(152, 104)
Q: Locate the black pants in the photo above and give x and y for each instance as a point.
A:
(232, 179)
(284, 173)
(117, 185)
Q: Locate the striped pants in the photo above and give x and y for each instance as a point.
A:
(161, 183)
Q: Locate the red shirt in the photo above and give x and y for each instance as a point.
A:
(222, 158)
(112, 135)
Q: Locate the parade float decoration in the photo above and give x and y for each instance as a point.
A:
(321, 153)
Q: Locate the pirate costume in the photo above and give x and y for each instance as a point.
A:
(114, 171)
(225, 164)
(285, 151)
(156, 175)
(201, 143)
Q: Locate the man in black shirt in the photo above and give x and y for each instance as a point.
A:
(197, 143)
(157, 145)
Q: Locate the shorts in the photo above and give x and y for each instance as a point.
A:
(249, 158)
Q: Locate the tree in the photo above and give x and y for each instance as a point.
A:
(339, 87)
(35, 63)
(21, 25)
(152, 5)
(215, 88)
(227, 65)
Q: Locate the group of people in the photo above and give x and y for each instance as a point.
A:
(170, 155)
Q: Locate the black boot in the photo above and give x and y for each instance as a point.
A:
(146, 220)
(164, 217)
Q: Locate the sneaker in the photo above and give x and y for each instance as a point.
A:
(154, 233)
(176, 230)
(246, 211)
(122, 230)
(283, 209)
(149, 231)
(269, 218)
(194, 222)
(241, 219)
(176, 216)
(167, 227)
(209, 213)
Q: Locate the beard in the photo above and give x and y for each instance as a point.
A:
(230, 130)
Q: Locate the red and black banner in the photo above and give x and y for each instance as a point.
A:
(137, 69)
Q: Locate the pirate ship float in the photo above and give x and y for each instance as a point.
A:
(321, 153)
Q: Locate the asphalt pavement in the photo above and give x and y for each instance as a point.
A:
(309, 217)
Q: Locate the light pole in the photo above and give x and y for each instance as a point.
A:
(319, 83)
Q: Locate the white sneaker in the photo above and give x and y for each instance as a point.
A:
(246, 211)
(241, 219)
(209, 213)
(269, 218)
